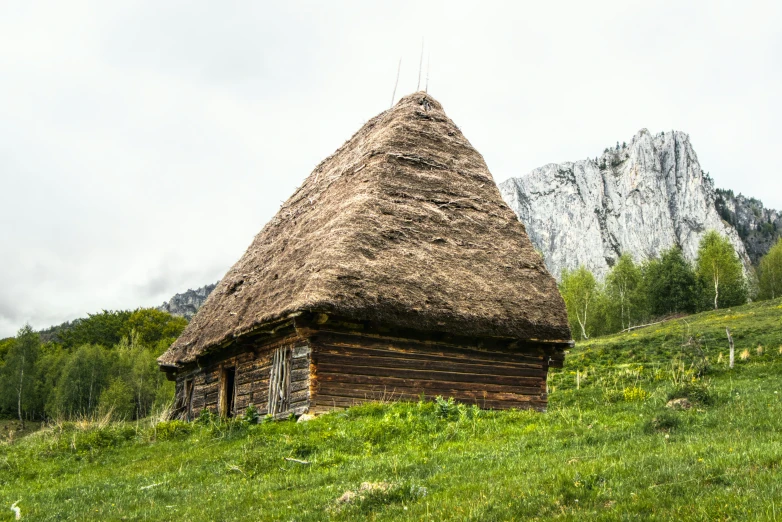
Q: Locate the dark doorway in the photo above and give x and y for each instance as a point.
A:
(227, 399)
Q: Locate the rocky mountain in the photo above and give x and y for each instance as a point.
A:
(187, 304)
(642, 197)
(759, 227)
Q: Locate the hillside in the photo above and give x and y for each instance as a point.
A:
(641, 198)
(608, 448)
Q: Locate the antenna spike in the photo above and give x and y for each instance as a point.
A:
(398, 68)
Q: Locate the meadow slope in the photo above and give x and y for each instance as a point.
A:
(608, 448)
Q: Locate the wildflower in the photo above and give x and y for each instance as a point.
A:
(744, 355)
(759, 349)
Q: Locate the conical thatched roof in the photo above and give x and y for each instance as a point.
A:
(403, 225)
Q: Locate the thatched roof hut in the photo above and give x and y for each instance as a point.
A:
(402, 233)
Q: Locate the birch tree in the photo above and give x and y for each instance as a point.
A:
(579, 290)
(719, 272)
(622, 286)
(19, 370)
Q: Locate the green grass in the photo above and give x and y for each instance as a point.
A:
(608, 448)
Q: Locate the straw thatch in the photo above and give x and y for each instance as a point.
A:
(404, 226)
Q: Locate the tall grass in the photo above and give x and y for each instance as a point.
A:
(609, 448)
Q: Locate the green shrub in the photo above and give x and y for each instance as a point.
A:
(251, 414)
(174, 429)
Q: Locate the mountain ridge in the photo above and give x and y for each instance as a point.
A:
(641, 198)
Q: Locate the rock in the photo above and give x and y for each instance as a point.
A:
(759, 228)
(305, 417)
(187, 304)
(679, 404)
(641, 199)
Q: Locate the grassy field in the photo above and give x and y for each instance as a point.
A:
(608, 448)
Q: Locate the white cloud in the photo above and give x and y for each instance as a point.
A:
(143, 145)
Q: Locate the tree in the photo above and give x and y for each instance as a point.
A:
(771, 273)
(623, 285)
(117, 400)
(669, 284)
(19, 369)
(84, 376)
(153, 326)
(720, 272)
(579, 290)
(105, 329)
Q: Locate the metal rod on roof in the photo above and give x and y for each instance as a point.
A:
(398, 68)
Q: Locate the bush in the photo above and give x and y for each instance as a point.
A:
(170, 430)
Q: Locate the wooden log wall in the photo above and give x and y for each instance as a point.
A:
(251, 383)
(351, 369)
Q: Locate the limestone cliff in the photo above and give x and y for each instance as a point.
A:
(641, 198)
(187, 304)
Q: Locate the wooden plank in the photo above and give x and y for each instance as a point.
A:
(255, 375)
(523, 354)
(244, 389)
(302, 350)
(377, 391)
(404, 382)
(461, 397)
(207, 388)
(346, 402)
(430, 375)
(440, 364)
(377, 350)
(300, 374)
(300, 363)
(299, 396)
(303, 384)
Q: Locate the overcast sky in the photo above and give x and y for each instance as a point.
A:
(144, 144)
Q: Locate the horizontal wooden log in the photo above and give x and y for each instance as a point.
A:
(346, 402)
(429, 375)
(299, 396)
(440, 364)
(255, 375)
(300, 363)
(377, 391)
(242, 402)
(522, 355)
(243, 389)
(303, 384)
(430, 353)
(301, 351)
(347, 379)
(207, 388)
(302, 374)
(480, 402)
